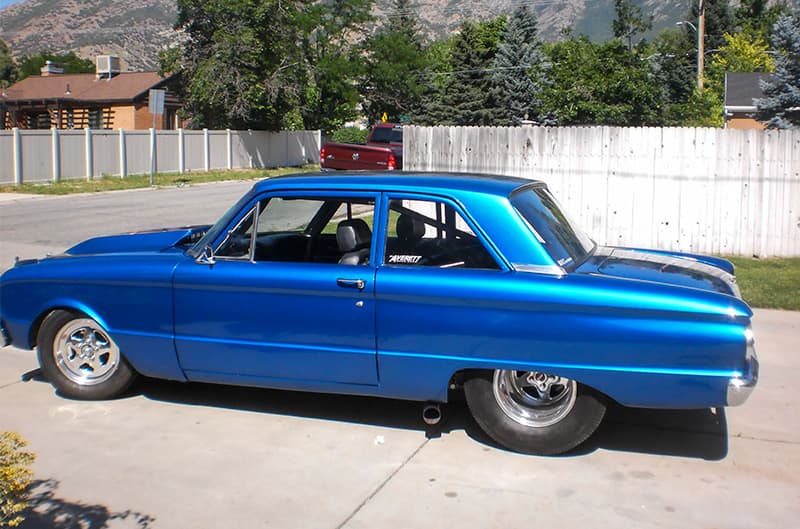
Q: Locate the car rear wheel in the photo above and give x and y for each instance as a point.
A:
(80, 358)
(533, 412)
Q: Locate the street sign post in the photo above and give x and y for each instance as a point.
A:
(156, 107)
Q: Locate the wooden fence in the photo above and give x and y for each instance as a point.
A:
(718, 191)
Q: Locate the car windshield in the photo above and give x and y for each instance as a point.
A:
(564, 241)
(387, 135)
(212, 232)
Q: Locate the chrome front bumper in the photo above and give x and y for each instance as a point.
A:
(739, 388)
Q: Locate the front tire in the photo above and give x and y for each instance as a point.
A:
(80, 358)
(534, 412)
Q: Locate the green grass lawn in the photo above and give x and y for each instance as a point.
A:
(769, 283)
(112, 183)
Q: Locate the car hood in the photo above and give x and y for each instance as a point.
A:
(145, 241)
(686, 270)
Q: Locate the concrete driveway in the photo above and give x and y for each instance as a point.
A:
(171, 455)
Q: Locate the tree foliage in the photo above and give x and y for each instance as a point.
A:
(780, 107)
(467, 96)
(601, 84)
(71, 63)
(672, 58)
(332, 35)
(741, 53)
(718, 21)
(519, 70)
(629, 22)
(15, 478)
(233, 61)
(8, 67)
(757, 17)
(395, 66)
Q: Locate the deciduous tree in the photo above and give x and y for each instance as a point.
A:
(235, 57)
(629, 22)
(8, 67)
(71, 63)
(600, 84)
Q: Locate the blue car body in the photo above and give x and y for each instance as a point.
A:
(644, 327)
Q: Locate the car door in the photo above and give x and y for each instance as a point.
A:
(276, 304)
(436, 295)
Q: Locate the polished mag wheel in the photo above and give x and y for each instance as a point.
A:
(533, 398)
(84, 353)
(80, 358)
(532, 411)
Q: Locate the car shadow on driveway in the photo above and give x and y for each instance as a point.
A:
(700, 434)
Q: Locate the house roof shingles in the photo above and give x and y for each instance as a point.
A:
(742, 88)
(83, 87)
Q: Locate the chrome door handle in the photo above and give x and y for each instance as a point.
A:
(351, 283)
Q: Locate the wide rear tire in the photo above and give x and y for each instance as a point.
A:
(533, 412)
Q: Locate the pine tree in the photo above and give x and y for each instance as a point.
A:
(519, 73)
(780, 108)
(394, 67)
(468, 96)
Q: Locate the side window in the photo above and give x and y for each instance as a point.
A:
(303, 229)
(432, 233)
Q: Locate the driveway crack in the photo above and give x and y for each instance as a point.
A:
(382, 485)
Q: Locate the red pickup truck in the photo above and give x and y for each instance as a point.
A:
(383, 151)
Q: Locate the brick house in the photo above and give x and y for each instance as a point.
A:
(109, 99)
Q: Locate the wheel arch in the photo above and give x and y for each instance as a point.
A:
(458, 378)
(66, 305)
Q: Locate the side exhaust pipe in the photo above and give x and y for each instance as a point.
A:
(431, 413)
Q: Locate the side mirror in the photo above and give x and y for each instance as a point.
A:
(207, 256)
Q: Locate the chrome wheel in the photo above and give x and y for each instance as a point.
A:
(84, 353)
(533, 398)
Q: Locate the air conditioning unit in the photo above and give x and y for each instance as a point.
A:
(107, 66)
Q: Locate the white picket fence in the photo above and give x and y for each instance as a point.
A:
(718, 191)
(53, 155)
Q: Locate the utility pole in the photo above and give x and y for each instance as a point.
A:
(701, 30)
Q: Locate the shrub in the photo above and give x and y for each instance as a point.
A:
(15, 478)
(350, 135)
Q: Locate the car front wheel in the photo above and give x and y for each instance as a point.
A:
(80, 358)
(533, 412)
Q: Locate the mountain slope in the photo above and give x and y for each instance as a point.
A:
(137, 30)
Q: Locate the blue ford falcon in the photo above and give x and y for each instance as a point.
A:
(394, 285)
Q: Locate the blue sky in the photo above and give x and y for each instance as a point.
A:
(4, 3)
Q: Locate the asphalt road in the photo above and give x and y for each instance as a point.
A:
(170, 455)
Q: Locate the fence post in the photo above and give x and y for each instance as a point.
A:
(89, 154)
(123, 159)
(153, 161)
(181, 152)
(206, 151)
(230, 149)
(56, 148)
(17, 156)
